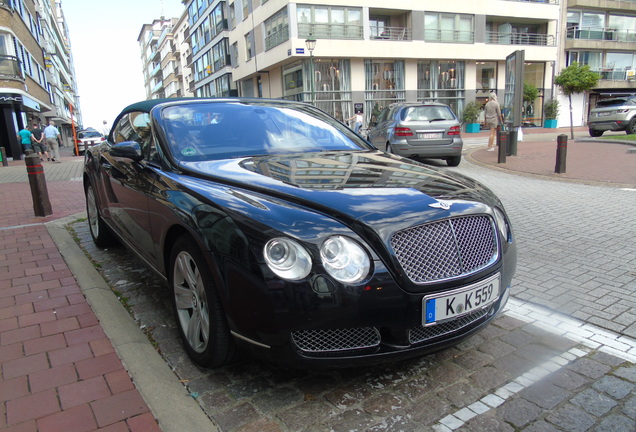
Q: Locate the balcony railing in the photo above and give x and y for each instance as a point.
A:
(276, 38)
(617, 75)
(508, 38)
(449, 36)
(601, 33)
(329, 31)
(391, 33)
(10, 67)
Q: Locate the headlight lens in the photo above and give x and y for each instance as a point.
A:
(287, 258)
(500, 219)
(344, 259)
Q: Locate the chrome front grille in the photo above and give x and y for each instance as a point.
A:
(334, 340)
(446, 249)
(420, 334)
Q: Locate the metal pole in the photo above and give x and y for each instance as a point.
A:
(313, 78)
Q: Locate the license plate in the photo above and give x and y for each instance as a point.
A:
(442, 307)
(429, 135)
(603, 114)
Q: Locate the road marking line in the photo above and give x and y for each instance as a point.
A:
(457, 419)
(586, 334)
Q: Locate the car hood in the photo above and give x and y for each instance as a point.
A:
(359, 185)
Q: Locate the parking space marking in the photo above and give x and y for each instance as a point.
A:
(586, 334)
(457, 419)
(590, 336)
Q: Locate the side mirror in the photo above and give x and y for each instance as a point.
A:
(128, 150)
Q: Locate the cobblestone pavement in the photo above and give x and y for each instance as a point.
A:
(561, 358)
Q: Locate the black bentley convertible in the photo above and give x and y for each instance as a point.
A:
(282, 232)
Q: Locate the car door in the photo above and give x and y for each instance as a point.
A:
(126, 185)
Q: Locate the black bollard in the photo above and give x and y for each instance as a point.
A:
(562, 151)
(39, 192)
(3, 153)
(512, 142)
(502, 144)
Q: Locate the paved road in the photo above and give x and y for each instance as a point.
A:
(534, 369)
(577, 250)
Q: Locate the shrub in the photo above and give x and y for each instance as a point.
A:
(471, 112)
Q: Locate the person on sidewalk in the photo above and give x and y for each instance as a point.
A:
(359, 120)
(25, 137)
(52, 136)
(39, 144)
(493, 117)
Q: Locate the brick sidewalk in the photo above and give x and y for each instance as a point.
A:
(59, 371)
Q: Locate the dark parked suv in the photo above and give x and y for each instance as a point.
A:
(614, 114)
(428, 130)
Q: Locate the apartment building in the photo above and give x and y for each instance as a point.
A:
(163, 55)
(37, 77)
(367, 54)
(603, 36)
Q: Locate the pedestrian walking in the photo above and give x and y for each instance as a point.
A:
(39, 144)
(493, 117)
(25, 136)
(52, 136)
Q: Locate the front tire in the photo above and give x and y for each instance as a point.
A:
(101, 234)
(631, 127)
(200, 317)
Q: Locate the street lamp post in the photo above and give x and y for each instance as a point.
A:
(311, 44)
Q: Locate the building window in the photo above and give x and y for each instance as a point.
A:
(248, 46)
(442, 81)
(329, 22)
(384, 84)
(444, 27)
(276, 29)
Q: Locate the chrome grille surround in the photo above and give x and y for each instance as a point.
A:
(335, 340)
(446, 249)
(420, 333)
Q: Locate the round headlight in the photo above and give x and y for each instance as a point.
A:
(287, 258)
(344, 259)
(500, 219)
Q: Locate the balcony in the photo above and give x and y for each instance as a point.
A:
(391, 33)
(330, 31)
(609, 74)
(508, 38)
(599, 33)
(157, 87)
(276, 38)
(449, 36)
(10, 68)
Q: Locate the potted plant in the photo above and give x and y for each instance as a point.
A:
(470, 116)
(551, 112)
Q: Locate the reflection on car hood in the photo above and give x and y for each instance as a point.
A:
(352, 183)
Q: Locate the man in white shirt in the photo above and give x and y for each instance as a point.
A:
(52, 136)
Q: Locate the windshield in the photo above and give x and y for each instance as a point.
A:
(90, 134)
(221, 130)
(427, 113)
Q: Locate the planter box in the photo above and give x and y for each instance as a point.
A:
(472, 127)
(550, 123)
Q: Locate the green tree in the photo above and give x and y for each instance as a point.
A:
(576, 78)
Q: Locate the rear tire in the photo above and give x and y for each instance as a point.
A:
(453, 161)
(389, 149)
(100, 232)
(200, 317)
(596, 133)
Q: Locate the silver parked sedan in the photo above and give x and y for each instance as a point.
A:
(427, 130)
